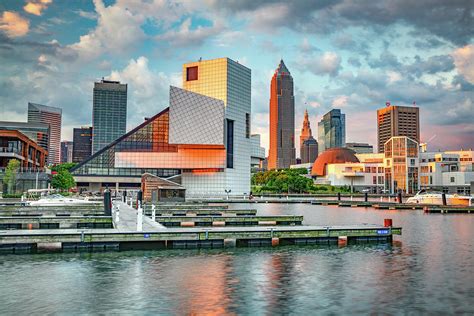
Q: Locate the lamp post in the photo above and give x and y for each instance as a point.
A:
(227, 192)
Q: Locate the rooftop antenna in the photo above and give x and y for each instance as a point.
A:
(387, 104)
(414, 103)
(200, 58)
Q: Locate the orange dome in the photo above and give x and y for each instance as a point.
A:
(332, 156)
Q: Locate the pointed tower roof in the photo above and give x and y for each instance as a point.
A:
(282, 68)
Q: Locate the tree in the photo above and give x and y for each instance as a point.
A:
(63, 179)
(10, 175)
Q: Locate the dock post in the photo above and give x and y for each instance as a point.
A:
(351, 198)
(381, 198)
(389, 198)
(139, 219)
(366, 197)
(153, 212)
(139, 198)
(443, 196)
(107, 203)
(400, 197)
(117, 214)
(124, 196)
(338, 196)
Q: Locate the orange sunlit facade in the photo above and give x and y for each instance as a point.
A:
(282, 120)
(15, 145)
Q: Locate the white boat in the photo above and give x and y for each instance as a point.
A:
(424, 197)
(59, 200)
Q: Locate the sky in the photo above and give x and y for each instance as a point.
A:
(352, 55)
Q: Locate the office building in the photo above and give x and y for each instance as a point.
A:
(397, 121)
(109, 113)
(308, 145)
(37, 132)
(257, 155)
(51, 116)
(360, 148)
(82, 138)
(332, 130)
(282, 152)
(66, 151)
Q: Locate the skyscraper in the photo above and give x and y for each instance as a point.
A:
(82, 149)
(282, 120)
(332, 130)
(308, 145)
(109, 113)
(51, 116)
(229, 81)
(396, 120)
(66, 151)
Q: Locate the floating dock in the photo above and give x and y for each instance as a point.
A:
(191, 221)
(31, 241)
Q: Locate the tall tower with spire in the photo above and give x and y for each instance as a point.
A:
(308, 145)
(282, 119)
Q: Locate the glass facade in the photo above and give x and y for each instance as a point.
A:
(82, 138)
(332, 130)
(51, 116)
(401, 165)
(109, 113)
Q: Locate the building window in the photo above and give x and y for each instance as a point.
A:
(452, 179)
(247, 125)
(374, 180)
(192, 73)
(230, 144)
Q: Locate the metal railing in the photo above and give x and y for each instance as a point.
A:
(10, 150)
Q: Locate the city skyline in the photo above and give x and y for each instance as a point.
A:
(413, 55)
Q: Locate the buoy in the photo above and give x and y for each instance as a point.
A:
(387, 222)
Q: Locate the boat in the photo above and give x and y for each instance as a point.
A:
(59, 200)
(436, 198)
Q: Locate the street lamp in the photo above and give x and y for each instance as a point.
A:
(227, 192)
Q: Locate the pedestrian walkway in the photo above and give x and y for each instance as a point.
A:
(128, 219)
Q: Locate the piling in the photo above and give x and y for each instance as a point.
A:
(443, 196)
(400, 197)
(338, 196)
(387, 222)
(366, 197)
(139, 198)
(107, 203)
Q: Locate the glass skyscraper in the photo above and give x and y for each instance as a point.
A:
(82, 138)
(109, 113)
(332, 130)
(51, 116)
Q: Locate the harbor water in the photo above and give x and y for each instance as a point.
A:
(427, 270)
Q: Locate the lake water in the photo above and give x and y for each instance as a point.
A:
(427, 270)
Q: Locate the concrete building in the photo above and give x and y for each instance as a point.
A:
(37, 132)
(200, 142)
(229, 81)
(397, 121)
(257, 153)
(308, 145)
(82, 138)
(109, 113)
(282, 152)
(51, 116)
(360, 148)
(332, 131)
(66, 151)
(449, 172)
(32, 158)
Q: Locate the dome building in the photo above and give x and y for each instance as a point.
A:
(332, 156)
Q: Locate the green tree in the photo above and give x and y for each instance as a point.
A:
(10, 175)
(62, 179)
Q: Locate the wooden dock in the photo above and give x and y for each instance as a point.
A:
(20, 241)
(245, 220)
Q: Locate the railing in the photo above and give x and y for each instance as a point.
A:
(9, 150)
(25, 170)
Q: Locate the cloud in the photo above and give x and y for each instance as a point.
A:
(328, 63)
(36, 7)
(87, 14)
(185, 36)
(464, 61)
(340, 101)
(13, 25)
(450, 20)
(148, 91)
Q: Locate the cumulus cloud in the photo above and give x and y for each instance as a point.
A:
(186, 36)
(13, 24)
(464, 61)
(37, 6)
(328, 63)
(148, 91)
(340, 101)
